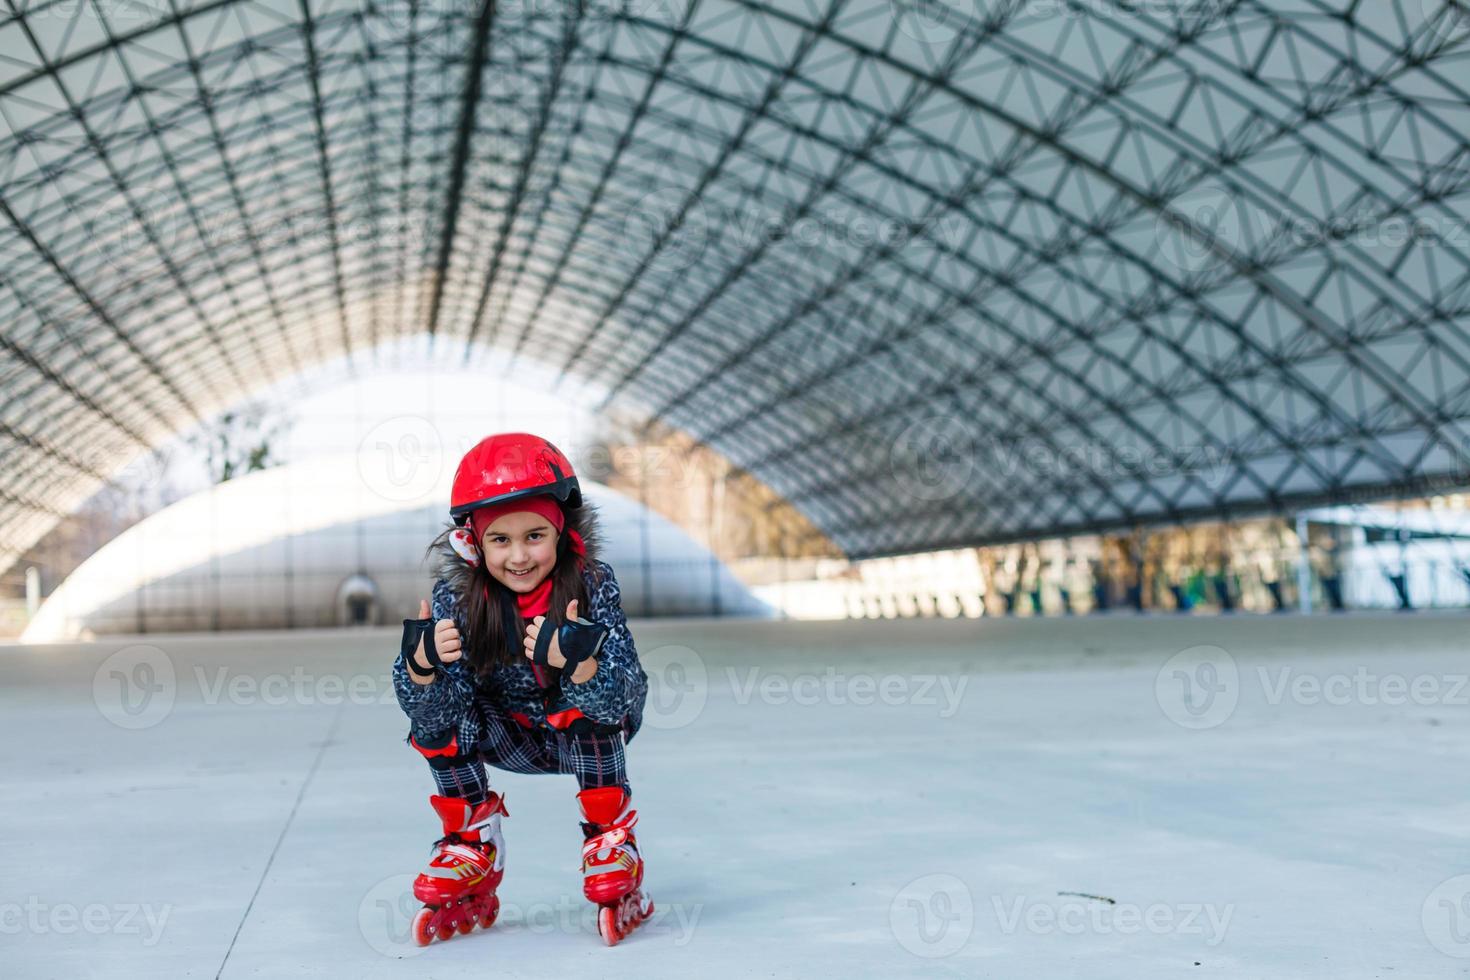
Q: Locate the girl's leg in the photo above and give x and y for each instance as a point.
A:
(468, 861)
(598, 761)
(454, 760)
(612, 867)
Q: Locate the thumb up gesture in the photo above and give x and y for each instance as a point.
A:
(446, 639)
(554, 655)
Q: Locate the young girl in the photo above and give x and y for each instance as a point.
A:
(504, 668)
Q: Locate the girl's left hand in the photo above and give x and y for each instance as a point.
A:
(553, 653)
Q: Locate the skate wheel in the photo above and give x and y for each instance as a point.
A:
(607, 925)
(466, 926)
(421, 932)
(491, 913)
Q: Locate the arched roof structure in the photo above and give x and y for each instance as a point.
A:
(939, 273)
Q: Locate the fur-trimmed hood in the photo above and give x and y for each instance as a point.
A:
(446, 563)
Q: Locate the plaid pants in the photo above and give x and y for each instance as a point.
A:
(487, 735)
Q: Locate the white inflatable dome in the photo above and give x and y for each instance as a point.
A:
(314, 544)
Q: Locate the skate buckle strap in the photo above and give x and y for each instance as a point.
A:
(608, 838)
(610, 852)
(612, 834)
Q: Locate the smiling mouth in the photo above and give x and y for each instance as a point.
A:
(521, 574)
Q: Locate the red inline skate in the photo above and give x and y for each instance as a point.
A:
(458, 886)
(612, 869)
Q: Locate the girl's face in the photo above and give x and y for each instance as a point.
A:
(519, 550)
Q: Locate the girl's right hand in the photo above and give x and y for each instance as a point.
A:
(446, 639)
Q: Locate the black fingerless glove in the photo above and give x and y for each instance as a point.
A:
(413, 629)
(580, 640)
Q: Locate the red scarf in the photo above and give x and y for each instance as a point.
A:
(537, 601)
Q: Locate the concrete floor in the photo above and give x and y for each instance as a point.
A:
(1131, 798)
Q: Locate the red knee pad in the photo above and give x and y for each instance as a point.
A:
(449, 750)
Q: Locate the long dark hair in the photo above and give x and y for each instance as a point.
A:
(492, 631)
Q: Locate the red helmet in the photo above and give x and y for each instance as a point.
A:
(510, 465)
